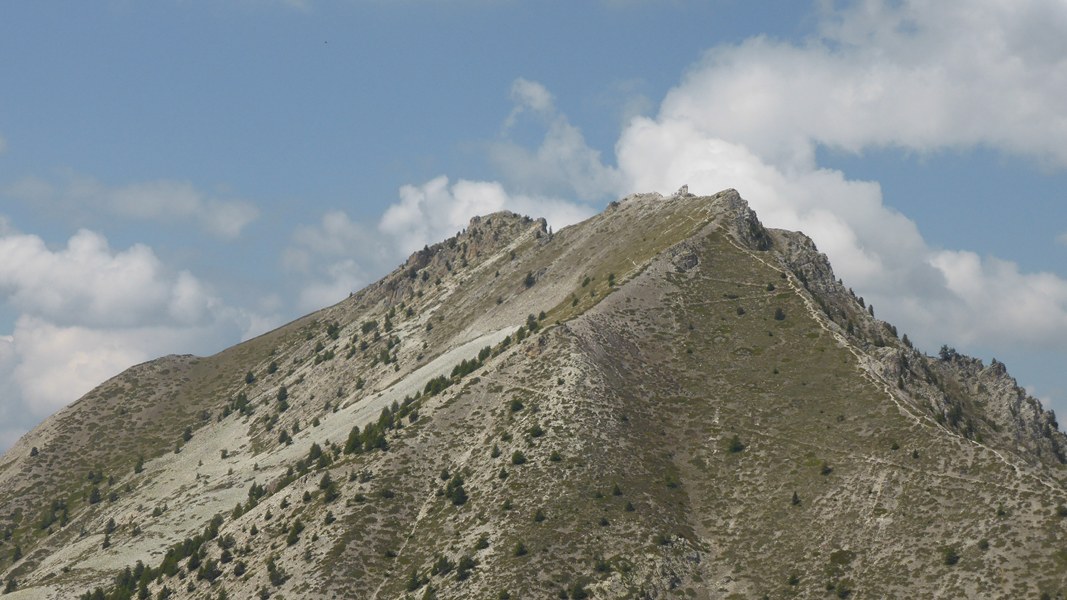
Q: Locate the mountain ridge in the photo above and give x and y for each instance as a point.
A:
(675, 321)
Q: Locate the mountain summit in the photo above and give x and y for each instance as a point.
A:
(665, 400)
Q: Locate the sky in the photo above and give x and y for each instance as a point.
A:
(178, 176)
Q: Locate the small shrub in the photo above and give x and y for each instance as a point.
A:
(734, 444)
(465, 566)
(443, 566)
(294, 533)
(949, 555)
(414, 581)
(276, 574)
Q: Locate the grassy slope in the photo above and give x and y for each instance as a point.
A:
(641, 387)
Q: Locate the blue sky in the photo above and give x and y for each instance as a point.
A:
(177, 176)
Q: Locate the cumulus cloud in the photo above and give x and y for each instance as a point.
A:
(562, 164)
(335, 257)
(89, 283)
(339, 255)
(909, 75)
(87, 311)
(164, 201)
(437, 209)
(531, 95)
(916, 75)
(912, 75)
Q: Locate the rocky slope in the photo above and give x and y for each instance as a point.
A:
(665, 400)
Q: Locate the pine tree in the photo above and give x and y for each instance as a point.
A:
(353, 444)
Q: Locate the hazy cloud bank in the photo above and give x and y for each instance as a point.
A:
(163, 201)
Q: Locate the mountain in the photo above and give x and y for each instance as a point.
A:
(665, 400)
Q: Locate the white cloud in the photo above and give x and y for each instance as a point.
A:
(435, 210)
(335, 257)
(163, 201)
(1062, 238)
(88, 283)
(336, 280)
(87, 311)
(994, 301)
(563, 164)
(921, 76)
(59, 364)
(912, 74)
(531, 96)
(338, 256)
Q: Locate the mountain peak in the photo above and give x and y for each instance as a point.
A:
(665, 398)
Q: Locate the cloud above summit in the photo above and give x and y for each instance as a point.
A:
(915, 76)
(924, 77)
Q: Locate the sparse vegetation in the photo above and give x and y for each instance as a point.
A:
(734, 444)
(495, 475)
